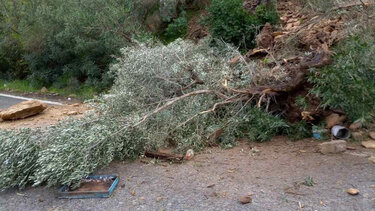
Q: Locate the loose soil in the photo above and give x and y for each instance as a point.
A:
(274, 173)
(52, 115)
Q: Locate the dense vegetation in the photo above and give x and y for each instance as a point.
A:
(64, 43)
(229, 21)
(349, 84)
(174, 95)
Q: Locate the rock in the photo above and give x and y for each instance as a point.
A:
(369, 144)
(372, 135)
(265, 39)
(72, 113)
(23, 110)
(334, 119)
(353, 191)
(334, 146)
(158, 199)
(372, 159)
(211, 185)
(358, 136)
(41, 199)
(44, 90)
(245, 199)
(355, 126)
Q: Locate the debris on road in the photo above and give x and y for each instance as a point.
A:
(340, 132)
(164, 155)
(23, 110)
(334, 146)
(372, 159)
(211, 185)
(72, 113)
(369, 144)
(372, 135)
(245, 199)
(158, 199)
(353, 191)
(100, 186)
(189, 154)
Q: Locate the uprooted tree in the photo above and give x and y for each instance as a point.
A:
(182, 95)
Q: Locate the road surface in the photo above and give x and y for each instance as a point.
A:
(6, 102)
(9, 100)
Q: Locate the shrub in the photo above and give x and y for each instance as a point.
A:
(348, 84)
(69, 39)
(229, 21)
(177, 28)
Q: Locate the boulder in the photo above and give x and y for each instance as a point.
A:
(369, 144)
(334, 119)
(23, 110)
(335, 146)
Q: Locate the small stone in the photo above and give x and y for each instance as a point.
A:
(350, 148)
(211, 185)
(353, 191)
(44, 90)
(132, 192)
(372, 159)
(72, 113)
(355, 125)
(245, 199)
(158, 199)
(358, 136)
(372, 135)
(335, 146)
(41, 199)
(369, 144)
(75, 105)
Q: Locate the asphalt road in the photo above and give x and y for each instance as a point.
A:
(5, 102)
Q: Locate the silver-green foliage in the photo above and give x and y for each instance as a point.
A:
(149, 77)
(19, 152)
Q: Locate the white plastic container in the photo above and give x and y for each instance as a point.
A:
(340, 132)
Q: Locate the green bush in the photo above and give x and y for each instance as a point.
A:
(258, 125)
(229, 21)
(64, 39)
(349, 84)
(177, 28)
